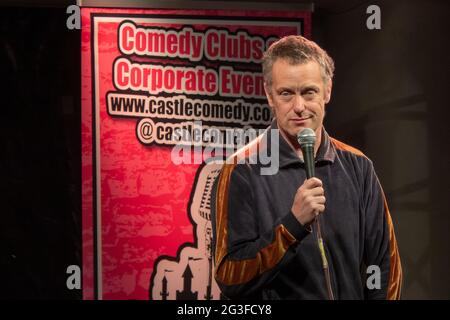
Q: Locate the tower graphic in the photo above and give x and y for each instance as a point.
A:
(187, 293)
(164, 292)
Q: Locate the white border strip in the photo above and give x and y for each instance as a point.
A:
(98, 171)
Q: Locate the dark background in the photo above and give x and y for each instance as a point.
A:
(389, 100)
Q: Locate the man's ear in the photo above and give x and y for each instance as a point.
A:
(268, 95)
(269, 98)
(328, 87)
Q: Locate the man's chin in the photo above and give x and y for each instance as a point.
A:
(292, 130)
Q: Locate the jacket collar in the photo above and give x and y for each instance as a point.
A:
(287, 156)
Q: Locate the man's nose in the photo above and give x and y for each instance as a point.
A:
(299, 103)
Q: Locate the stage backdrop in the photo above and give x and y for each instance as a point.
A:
(153, 80)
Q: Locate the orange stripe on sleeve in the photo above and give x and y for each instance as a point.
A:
(232, 272)
(342, 146)
(395, 269)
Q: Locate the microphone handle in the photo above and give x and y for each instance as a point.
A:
(308, 155)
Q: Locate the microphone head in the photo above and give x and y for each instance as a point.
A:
(306, 137)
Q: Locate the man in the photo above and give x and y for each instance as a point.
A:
(263, 231)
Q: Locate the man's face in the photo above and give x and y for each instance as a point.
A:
(297, 97)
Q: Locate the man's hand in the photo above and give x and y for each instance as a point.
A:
(309, 201)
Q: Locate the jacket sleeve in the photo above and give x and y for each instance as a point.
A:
(380, 244)
(247, 258)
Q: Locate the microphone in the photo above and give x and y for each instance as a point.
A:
(306, 139)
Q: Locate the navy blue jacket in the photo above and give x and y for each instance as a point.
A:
(262, 251)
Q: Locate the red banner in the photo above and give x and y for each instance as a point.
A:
(164, 91)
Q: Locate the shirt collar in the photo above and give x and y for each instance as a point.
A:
(287, 156)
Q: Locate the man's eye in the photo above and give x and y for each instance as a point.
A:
(285, 93)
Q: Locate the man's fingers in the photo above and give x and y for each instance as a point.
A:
(319, 208)
(313, 183)
(312, 186)
(309, 200)
(320, 199)
(318, 191)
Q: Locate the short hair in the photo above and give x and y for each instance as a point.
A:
(296, 50)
